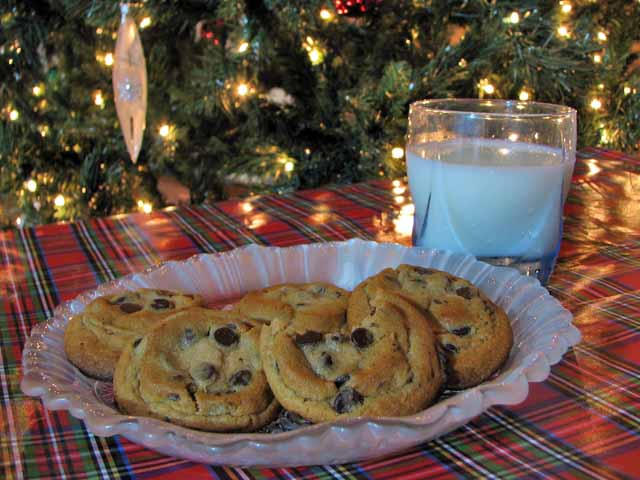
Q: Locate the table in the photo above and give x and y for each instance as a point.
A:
(583, 421)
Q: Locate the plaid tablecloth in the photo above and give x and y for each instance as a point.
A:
(583, 422)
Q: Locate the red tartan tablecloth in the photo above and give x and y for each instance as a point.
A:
(581, 422)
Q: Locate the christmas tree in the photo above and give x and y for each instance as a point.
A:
(272, 95)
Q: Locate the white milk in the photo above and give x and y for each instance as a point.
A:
(487, 197)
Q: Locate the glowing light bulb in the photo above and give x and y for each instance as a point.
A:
(627, 90)
(601, 86)
(563, 31)
(108, 59)
(147, 207)
(513, 137)
(602, 36)
(307, 151)
(145, 22)
(37, 90)
(315, 56)
(514, 17)
(44, 130)
(325, 14)
(397, 152)
(396, 183)
(596, 104)
(59, 200)
(99, 31)
(97, 98)
(597, 58)
(288, 167)
(524, 95)
(14, 115)
(164, 130)
(566, 8)
(242, 89)
(488, 88)
(243, 47)
(19, 221)
(32, 186)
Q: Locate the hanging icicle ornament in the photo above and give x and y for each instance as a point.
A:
(130, 83)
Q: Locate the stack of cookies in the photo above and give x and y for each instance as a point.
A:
(388, 348)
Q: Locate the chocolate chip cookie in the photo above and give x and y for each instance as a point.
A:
(199, 368)
(95, 338)
(307, 304)
(473, 332)
(385, 364)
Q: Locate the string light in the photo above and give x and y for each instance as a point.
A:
(19, 221)
(397, 152)
(14, 115)
(597, 58)
(97, 98)
(596, 104)
(288, 167)
(59, 200)
(37, 90)
(566, 7)
(164, 130)
(325, 14)
(627, 90)
(108, 59)
(514, 17)
(513, 137)
(602, 36)
(243, 47)
(486, 87)
(44, 130)
(316, 55)
(99, 31)
(563, 31)
(145, 22)
(243, 89)
(396, 183)
(524, 95)
(32, 186)
(601, 86)
(145, 207)
(307, 151)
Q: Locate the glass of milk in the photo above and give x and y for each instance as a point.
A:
(490, 177)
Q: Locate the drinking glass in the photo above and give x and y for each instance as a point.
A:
(490, 178)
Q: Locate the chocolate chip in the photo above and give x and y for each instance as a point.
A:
(165, 293)
(462, 331)
(188, 337)
(320, 290)
(346, 400)
(174, 397)
(178, 378)
(339, 338)
(301, 304)
(423, 271)
(309, 337)
(241, 377)
(118, 300)
(226, 336)
(205, 371)
(130, 307)
(361, 337)
(162, 303)
(437, 302)
(137, 342)
(192, 388)
(450, 348)
(464, 292)
(341, 380)
(372, 311)
(327, 360)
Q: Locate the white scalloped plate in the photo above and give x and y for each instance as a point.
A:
(542, 329)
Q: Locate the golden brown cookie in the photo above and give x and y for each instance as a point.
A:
(95, 338)
(474, 333)
(385, 364)
(200, 368)
(306, 303)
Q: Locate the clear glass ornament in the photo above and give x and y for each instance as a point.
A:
(130, 83)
